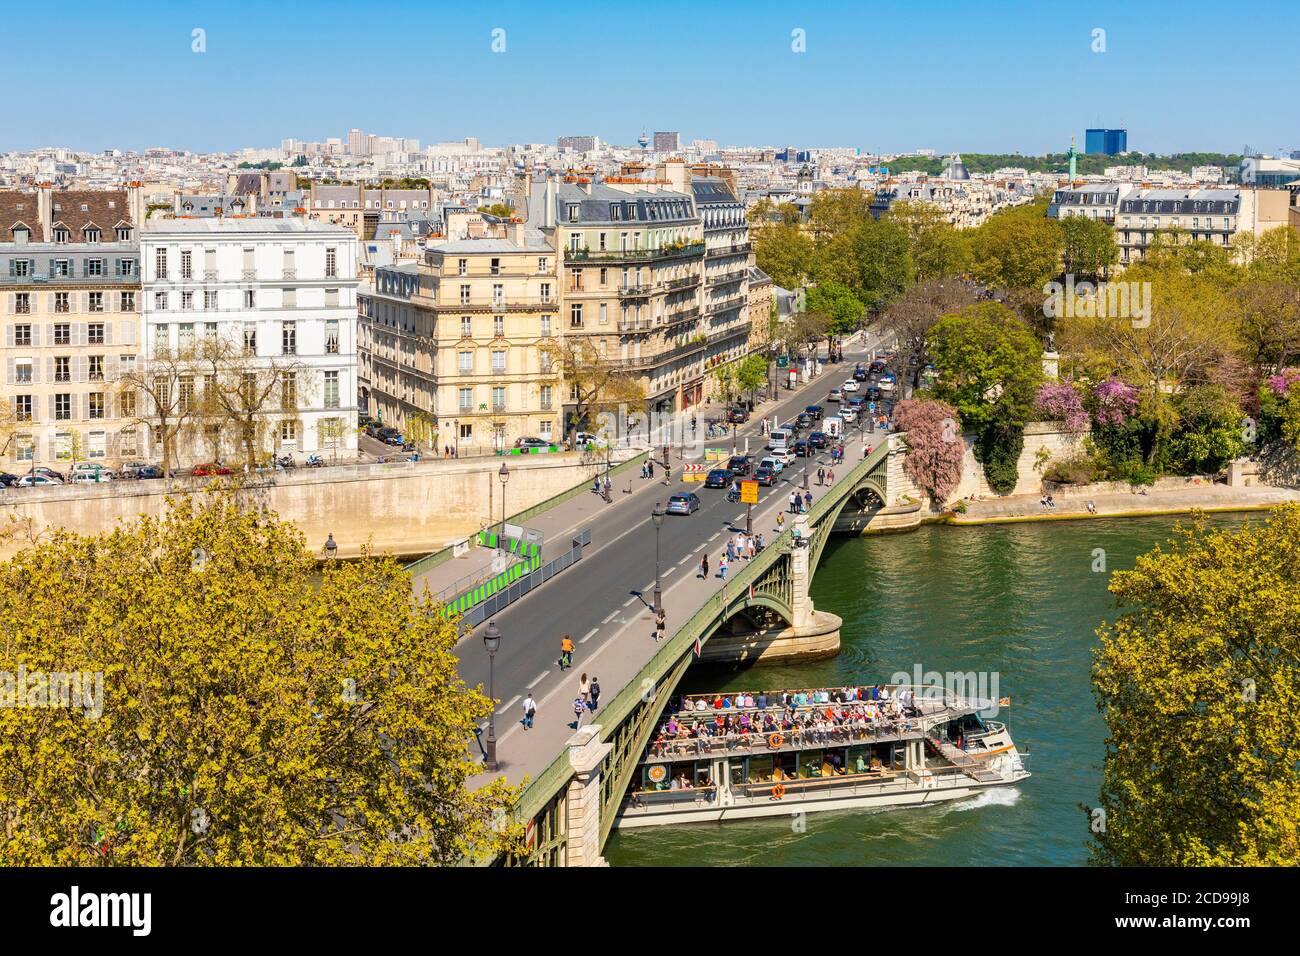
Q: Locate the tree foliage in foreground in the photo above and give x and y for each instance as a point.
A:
(256, 710)
(1199, 684)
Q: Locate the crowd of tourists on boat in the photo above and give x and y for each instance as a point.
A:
(799, 718)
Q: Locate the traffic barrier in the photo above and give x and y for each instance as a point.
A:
(693, 472)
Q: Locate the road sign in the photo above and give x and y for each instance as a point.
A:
(693, 472)
(749, 492)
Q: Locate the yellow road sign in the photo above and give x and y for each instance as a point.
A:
(749, 492)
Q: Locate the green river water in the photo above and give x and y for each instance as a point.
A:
(1021, 601)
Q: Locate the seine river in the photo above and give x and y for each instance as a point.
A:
(1021, 601)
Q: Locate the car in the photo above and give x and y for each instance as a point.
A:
(29, 480)
(737, 416)
(878, 367)
(803, 420)
(850, 386)
(886, 383)
(776, 463)
(836, 395)
(874, 394)
(390, 436)
(814, 411)
(532, 443)
(858, 402)
(374, 428)
(849, 413)
(7, 480)
(90, 477)
(803, 448)
(859, 374)
(582, 439)
(150, 471)
(48, 473)
(90, 467)
(208, 469)
(765, 476)
(819, 439)
(740, 464)
(683, 503)
(719, 478)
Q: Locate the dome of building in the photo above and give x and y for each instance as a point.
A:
(956, 168)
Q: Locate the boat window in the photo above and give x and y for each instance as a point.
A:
(810, 764)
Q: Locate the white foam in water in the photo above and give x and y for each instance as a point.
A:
(1000, 797)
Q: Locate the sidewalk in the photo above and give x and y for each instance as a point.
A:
(1179, 501)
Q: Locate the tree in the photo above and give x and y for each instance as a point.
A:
(1209, 434)
(784, 252)
(498, 209)
(939, 251)
(419, 427)
(838, 304)
(160, 396)
(1061, 401)
(883, 262)
(751, 374)
(1269, 323)
(596, 384)
(257, 708)
(1198, 685)
(912, 315)
(724, 376)
(1089, 248)
(934, 446)
(1017, 248)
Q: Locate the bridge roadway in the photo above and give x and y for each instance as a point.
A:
(605, 600)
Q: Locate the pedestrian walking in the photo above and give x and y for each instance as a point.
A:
(780, 521)
(821, 475)
(794, 502)
(731, 550)
(866, 450)
(650, 467)
(807, 501)
(584, 690)
(661, 625)
(579, 708)
(530, 711)
(830, 476)
(566, 652)
(704, 567)
(595, 693)
(722, 567)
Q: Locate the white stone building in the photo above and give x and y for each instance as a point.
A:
(284, 290)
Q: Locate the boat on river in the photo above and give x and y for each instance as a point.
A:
(715, 758)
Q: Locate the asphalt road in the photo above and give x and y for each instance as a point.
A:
(619, 564)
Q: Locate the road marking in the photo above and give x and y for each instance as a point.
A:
(630, 600)
(586, 637)
(716, 535)
(506, 706)
(536, 680)
(611, 616)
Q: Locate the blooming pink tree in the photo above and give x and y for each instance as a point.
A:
(1116, 401)
(1282, 383)
(934, 445)
(1061, 401)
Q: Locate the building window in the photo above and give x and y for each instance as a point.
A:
(95, 405)
(94, 267)
(95, 302)
(62, 407)
(61, 234)
(61, 302)
(331, 263)
(331, 389)
(62, 333)
(331, 336)
(498, 325)
(466, 327)
(187, 264)
(126, 302)
(494, 267)
(250, 340)
(250, 299)
(464, 295)
(546, 397)
(545, 427)
(498, 360)
(126, 402)
(288, 338)
(288, 432)
(22, 335)
(288, 391)
(498, 398)
(466, 396)
(546, 326)
(542, 262)
(465, 362)
(95, 368)
(23, 404)
(95, 333)
(123, 233)
(187, 301)
(462, 267)
(185, 336)
(575, 315)
(160, 263)
(90, 234)
(160, 301)
(209, 301)
(26, 447)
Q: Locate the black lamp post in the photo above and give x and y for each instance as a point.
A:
(504, 475)
(331, 547)
(657, 517)
(733, 438)
(492, 641)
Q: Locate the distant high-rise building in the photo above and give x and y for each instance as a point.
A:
(357, 143)
(668, 142)
(1105, 141)
(581, 144)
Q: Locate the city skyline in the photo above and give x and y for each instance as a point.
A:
(859, 82)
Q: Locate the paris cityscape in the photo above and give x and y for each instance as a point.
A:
(773, 440)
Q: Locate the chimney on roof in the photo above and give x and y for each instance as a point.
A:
(45, 210)
(548, 210)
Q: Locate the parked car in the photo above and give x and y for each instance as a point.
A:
(374, 428)
(719, 478)
(737, 416)
(532, 443)
(583, 439)
(208, 469)
(765, 476)
(90, 478)
(739, 464)
(390, 436)
(29, 480)
(150, 471)
(684, 503)
(819, 439)
(776, 463)
(49, 473)
(803, 448)
(7, 480)
(836, 395)
(850, 386)
(803, 420)
(90, 467)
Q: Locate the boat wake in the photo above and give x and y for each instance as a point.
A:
(997, 797)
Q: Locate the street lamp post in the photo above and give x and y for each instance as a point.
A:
(504, 475)
(331, 547)
(491, 641)
(733, 438)
(657, 518)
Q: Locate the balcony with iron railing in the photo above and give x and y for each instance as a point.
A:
(725, 278)
(735, 249)
(615, 255)
(635, 291)
(725, 305)
(672, 285)
(636, 325)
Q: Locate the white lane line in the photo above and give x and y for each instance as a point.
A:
(510, 703)
(536, 680)
(588, 636)
(610, 616)
(716, 536)
(630, 600)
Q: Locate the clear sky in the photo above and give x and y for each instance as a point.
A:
(977, 76)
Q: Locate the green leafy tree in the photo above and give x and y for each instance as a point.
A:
(253, 707)
(939, 250)
(1199, 688)
(785, 252)
(751, 374)
(838, 304)
(1017, 248)
(1210, 433)
(1089, 248)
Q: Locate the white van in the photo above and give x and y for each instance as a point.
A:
(833, 425)
(779, 438)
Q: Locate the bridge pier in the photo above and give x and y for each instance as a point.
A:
(818, 638)
(582, 801)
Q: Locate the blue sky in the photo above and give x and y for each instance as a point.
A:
(977, 76)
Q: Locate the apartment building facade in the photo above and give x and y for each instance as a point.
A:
(727, 254)
(457, 339)
(632, 256)
(282, 293)
(1208, 215)
(69, 268)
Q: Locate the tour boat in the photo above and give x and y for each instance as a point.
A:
(915, 746)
